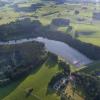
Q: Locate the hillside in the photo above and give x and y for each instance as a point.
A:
(39, 82)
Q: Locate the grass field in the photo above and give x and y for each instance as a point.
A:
(95, 41)
(94, 33)
(39, 82)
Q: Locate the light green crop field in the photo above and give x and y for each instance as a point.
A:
(94, 33)
(95, 41)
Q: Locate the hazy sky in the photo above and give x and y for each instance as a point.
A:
(5, 0)
(13, 0)
(23, 0)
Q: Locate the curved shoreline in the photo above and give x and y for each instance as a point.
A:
(68, 53)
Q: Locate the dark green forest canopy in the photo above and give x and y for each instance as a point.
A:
(25, 52)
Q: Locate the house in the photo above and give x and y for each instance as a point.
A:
(61, 82)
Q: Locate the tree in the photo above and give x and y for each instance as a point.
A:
(76, 12)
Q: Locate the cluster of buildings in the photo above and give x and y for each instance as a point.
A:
(61, 83)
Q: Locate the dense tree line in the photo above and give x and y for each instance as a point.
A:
(65, 72)
(18, 29)
(55, 78)
(28, 29)
(65, 67)
(89, 85)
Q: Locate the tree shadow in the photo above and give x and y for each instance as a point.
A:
(38, 67)
(52, 60)
(50, 91)
(50, 63)
(6, 90)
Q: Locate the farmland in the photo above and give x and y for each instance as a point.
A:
(74, 24)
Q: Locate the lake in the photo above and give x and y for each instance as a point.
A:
(61, 49)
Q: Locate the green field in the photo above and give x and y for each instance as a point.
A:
(95, 41)
(39, 82)
(93, 29)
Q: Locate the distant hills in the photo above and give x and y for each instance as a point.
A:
(12, 1)
(73, 1)
(3, 2)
